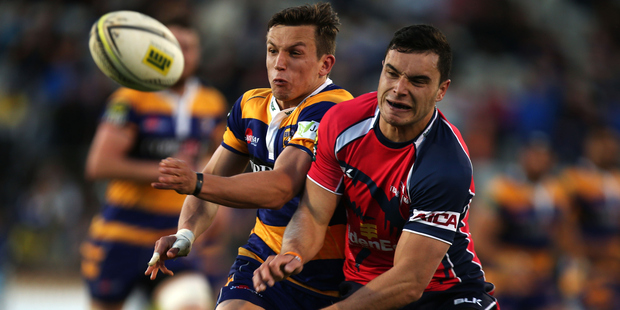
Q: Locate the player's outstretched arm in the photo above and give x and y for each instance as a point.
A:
(266, 189)
(196, 215)
(415, 261)
(303, 237)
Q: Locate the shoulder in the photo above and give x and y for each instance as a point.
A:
(255, 96)
(352, 111)
(332, 93)
(444, 155)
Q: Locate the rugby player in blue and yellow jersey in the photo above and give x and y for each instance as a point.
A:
(274, 130)
(137, 130)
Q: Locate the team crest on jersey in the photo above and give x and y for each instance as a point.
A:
(250, 138)
(286, 136)
(401, 193)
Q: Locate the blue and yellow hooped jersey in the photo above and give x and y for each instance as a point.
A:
(258, 128)
(134, 212)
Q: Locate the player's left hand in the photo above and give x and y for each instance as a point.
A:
(176, 174)
(163, 245)
(275, 268)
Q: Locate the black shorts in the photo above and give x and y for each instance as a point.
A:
(464, 296)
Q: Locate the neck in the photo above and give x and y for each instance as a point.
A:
(179, 87)
(403, 133)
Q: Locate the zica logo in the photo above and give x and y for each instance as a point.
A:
(157, 60)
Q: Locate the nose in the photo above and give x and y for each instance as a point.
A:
(400, 87)
(280, 63)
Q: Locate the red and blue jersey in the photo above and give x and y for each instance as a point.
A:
(258, 128)
(423, 186)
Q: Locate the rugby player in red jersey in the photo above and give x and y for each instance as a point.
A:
(404, 175)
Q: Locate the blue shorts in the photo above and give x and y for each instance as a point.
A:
(464, 296)
(283, 295)
(121, 269)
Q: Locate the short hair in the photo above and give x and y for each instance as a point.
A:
(321, 15)
(421, 39)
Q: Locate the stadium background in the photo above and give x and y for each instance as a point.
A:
(520, 66)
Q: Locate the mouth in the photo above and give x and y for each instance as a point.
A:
(279, 82)
(398, 105)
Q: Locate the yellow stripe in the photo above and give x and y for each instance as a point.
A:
(217, 103)
(247, 253)
(333, 245)
(120, 232)
(128, 194)
(232, 141)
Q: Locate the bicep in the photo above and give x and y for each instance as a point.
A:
(224, 162)
(291, 168)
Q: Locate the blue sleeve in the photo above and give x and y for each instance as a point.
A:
(440, 194)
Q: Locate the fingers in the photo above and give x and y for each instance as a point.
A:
(175, 174)
(262, 276)
(173, 252)
(153, 270)
(275, 268)
(154, 259)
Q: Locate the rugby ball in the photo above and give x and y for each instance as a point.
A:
(136, 50)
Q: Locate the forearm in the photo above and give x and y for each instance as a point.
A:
(266, 189)
(388, 291)
(127, 169)
(197, 215)
(303, 235)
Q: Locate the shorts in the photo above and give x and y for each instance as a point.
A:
(283, 295)
(120, 269)
(464, 296)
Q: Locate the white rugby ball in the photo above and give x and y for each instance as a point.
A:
(136, 50)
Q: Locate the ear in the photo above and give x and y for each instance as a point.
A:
(443, 88)
(327, 63)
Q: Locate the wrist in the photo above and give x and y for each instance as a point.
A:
(186, 234)
(295, 255)
(199, 181)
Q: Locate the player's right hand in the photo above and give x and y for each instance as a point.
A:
(275, 268)
(176, 174)
(171, 247)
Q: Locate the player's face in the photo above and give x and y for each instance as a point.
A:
(407, 92)
(293, 68)
(190, 46)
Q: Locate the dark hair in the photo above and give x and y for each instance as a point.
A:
(180, 21)
(321, 15)
(422, 39)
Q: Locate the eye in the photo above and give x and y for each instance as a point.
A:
(391, 74)
(271, 50)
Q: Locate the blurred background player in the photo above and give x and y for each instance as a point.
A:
(273, 129)
(594, 188)
(521, 232)
(137, 130)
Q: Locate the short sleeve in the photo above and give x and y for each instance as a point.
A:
(119, 111)
(325, 170)
(439, 201)
(234, 135)
(307, 126)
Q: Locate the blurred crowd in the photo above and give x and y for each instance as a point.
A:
(535, 92)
